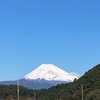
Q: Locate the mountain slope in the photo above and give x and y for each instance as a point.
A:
(50, 72)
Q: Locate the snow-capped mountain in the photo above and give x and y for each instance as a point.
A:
(49, 72)
(44, 76)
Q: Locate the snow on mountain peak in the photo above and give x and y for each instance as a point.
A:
(49, 72)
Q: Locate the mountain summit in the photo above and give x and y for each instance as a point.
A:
(49, 72)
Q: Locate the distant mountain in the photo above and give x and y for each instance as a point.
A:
(44, 76)
(49, 72)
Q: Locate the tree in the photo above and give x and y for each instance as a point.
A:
(10, 98)
(93, 95)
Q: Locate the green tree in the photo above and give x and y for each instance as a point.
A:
(93, 95)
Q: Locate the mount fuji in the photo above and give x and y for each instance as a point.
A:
(45, 76)
(49, 72)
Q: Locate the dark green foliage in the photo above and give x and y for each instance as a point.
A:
(71, 91)
(11, 92)
(93, 95)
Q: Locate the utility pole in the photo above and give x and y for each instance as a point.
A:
(18, 90)
(34, 96)
(82, 91)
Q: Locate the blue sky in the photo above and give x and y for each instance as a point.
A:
(65, 33)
